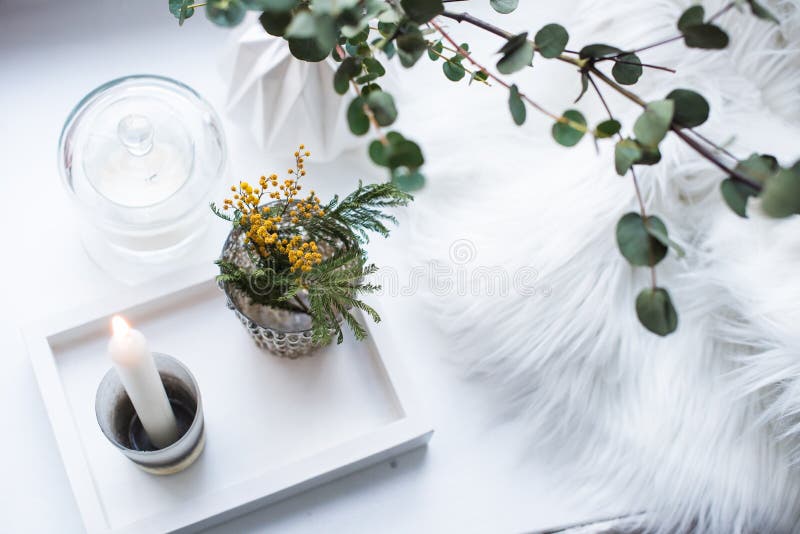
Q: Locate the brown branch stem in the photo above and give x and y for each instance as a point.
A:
(367, 111)
(466, 17)
(499, 80)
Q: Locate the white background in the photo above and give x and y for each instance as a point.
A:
(479, 473)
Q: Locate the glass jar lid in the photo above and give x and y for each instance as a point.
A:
(141, 151)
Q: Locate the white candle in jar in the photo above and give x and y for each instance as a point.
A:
(137, 372)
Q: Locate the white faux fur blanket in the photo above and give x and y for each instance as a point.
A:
(700, 429)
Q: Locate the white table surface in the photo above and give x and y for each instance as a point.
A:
(477, 475)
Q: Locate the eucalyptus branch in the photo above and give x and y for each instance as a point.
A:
(320, 28)
(646, 65)
(714, 145)
(442, 56)
(634, 180)
(700, 149)
(532, 103)
(711, 19)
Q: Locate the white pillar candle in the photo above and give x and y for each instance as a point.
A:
(137, 372)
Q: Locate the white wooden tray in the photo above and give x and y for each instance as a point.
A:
(274, 427)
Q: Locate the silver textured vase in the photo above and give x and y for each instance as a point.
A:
(282, 332)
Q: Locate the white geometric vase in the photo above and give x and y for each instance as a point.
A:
(277, 97)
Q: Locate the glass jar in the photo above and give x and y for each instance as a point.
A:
(282, 332)
(139, 156)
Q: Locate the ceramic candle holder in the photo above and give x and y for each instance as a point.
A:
(119, 423)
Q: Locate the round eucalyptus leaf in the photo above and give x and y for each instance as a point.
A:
(691, 17)
(759, 167)
(735, 195)
(650, 155)
(627, 69)
(404, 153)
(303, 25)
(516, 106)
(551, 40)
(504, 6)
(652, 125)
(421, 11)
(706, 36)
(564, 133)
(326, 32)
(374, 66)
(357, 119)
(308, 49)
(408, 180)
(655, 311)
(279, 6)
(691, 108)
(382, 105)
(453, 70)
(626, 153)
(636, 243)
(781, 194)
(275, 23)
(480, 76)
(355, 34)
(181, 9)
(410, 46)
(598, 51)
(435, 51)
(225, 13)
(349, 68)
(607, 128)
(377, 153)
(517, 54)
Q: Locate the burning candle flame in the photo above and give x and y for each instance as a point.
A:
(119, 325)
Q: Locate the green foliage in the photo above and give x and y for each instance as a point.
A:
(640, 240)
(517, 54)
(652, 125)
(626, 153)
(396, 152)
(225, 12)
(693, 16)
(736, 194)
(421, 11)
(275, 23)
(504, 6)
(181, 9)
(454, 70)
(699, 34)
(408, 180)
(362, 34)
(357, 118)
(382, 106)
(332, 288)
(691, 109)
(551, 40)
(627, 69)
(598, 51)
(516, 106)
(564, 131)
(655, 311)
(760, 11)
(781, 195)
(362, 211)
(608, 128)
